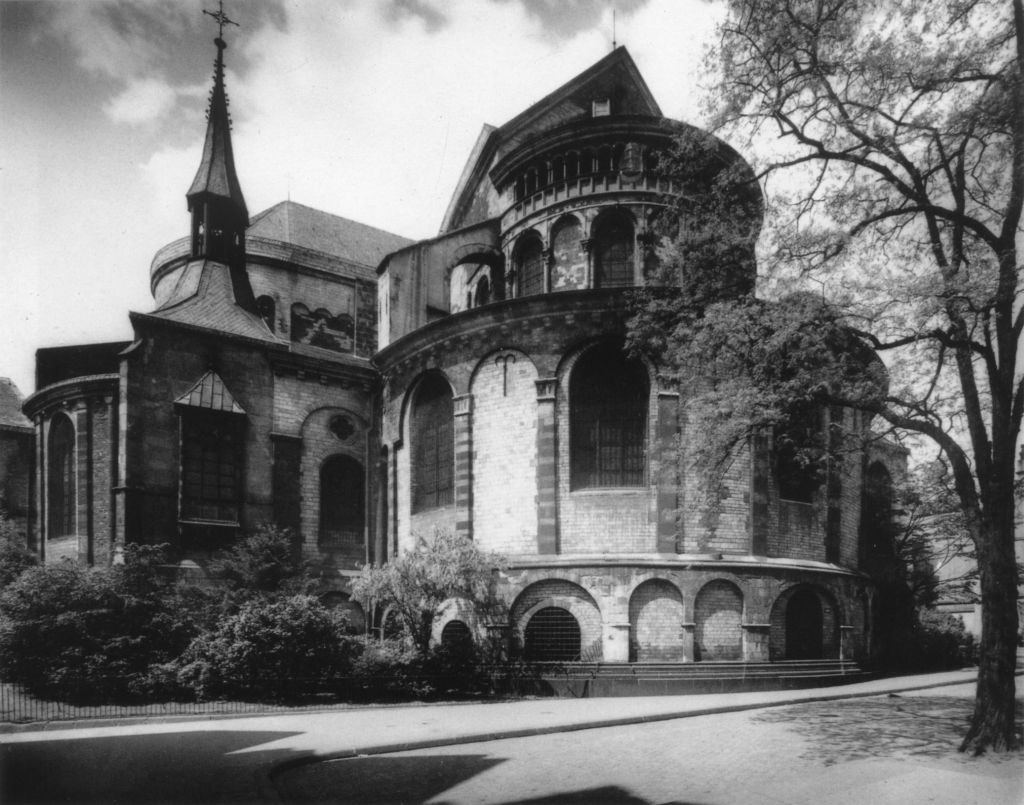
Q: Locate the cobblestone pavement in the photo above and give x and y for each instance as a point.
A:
(886, 749)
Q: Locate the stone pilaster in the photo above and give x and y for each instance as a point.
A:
(463, 412)
(547, 466)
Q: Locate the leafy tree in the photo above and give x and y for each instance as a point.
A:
(416, 584)
(889, 138)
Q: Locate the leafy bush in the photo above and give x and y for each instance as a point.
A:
(92, 634)
(935, 641)
(15, 558)
(271, 651)
(395, 670)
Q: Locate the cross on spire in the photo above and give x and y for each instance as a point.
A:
(221, 18)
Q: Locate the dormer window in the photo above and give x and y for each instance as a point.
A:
(601, 107)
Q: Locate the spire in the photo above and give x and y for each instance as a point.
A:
(219, 214)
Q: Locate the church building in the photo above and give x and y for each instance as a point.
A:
(362, 390)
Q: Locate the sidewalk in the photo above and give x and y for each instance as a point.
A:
(233, 758)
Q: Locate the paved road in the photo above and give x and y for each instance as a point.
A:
(899, 749)
(697, 759)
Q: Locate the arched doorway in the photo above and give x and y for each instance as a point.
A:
(804, 627)
(552, 635)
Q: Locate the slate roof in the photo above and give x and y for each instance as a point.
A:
(205, 298)
(10, 406)
(320, 231)
(211, 393)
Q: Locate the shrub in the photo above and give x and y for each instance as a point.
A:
(15, 558)
(934, 641)
(281, 650)
(396, 670)
(90, 634)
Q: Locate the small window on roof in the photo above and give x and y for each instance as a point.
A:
(601, 107)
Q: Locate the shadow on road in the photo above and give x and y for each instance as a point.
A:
(161, 767)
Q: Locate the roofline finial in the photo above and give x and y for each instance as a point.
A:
(222, 20)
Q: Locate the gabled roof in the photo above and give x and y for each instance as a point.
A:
(615, 78)
(210, 393)
(320, 231)
(10, 407)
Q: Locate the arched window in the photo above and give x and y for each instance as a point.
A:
(483, 291)
(456, 634)
(433, 445)
(61, 477)
(530, 266)
(613, 253)
(608, 395)
(552, 635)
(342, 501)
(266, 308)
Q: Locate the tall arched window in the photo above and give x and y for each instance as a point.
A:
(433, 445)
(530, 266)
(342, 501)
(613, 253)
(608, 396)
(61, 477)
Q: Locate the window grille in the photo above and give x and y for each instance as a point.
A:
(62, 477)
(210, 446)
(552, 635)
(342, 501)
(530, 267)
(433, 446)
(613, 254)
(608, 434)
(455, 634)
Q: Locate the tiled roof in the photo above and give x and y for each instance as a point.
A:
(10, 406)
(320, 231)
(210, 393)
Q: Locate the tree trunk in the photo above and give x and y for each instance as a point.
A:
(992, 724)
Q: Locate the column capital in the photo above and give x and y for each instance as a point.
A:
(547, 388)
(462, 404)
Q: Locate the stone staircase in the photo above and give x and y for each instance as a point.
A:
(583, 680)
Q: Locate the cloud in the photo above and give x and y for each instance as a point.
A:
(433, 19)
(142, 101)
(566, 18)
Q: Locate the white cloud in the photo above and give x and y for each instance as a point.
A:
(142, 101)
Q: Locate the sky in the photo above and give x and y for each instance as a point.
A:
(366, 109)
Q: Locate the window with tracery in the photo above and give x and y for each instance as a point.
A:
(342, 501)
(210, 466)
(608, 420)
(433, 445)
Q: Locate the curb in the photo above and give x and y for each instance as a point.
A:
(268, 787)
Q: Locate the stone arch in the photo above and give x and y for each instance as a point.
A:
(456, 634)
(804, 624)
(566, 595)
(410, 391)
(353, 610)
(718, 618)
(655, 622)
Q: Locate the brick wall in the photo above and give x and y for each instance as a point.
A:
(504, 430)
(655, 618)
(15, 468)
(718, 613)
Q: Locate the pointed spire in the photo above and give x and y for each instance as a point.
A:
(219, 214)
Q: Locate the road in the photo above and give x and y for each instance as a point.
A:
(898, 749)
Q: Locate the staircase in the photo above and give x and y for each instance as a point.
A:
(583, 680)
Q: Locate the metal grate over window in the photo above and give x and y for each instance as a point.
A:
(608, 436)
(210, 446)
(552, 635)
(433, 445)
(456, 634)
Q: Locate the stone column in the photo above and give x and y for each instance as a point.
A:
(847, 643)
(615, 640)
(463, 410)
(755, 642)
(547, 466)
(689, 630)
(760, 488)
